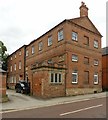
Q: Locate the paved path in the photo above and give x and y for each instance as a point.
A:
(19, 101)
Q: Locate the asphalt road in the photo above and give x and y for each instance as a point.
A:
(94, 108)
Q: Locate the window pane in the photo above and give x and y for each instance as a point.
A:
(20, 53)
(74, 77)
(49, 40)
(95, 78)
(55, 77)
(52, 75)
(26, 53)
(96, 62)
(74, 58)
(20, 65)
(60, 35)
(40, 46)
(59, 77)
(95, 44)
(74, 36)
(33, 50)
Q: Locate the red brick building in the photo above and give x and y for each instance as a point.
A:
(105, 68)
(66, 60)
(16, 67)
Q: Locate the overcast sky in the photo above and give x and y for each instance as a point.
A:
(22, 21)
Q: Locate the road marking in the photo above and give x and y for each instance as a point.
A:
(81, 110)
(66, 102)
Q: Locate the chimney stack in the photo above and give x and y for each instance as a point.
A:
(83, 10)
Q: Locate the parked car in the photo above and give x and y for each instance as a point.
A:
(22, 87)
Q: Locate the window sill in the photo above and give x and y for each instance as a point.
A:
(75, 40)
(55, 83)
(75, 83)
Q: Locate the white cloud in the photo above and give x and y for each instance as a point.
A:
(21, 21)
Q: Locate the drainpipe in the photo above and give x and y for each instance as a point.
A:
(24, 62)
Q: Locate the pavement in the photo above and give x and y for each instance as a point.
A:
(19, 101)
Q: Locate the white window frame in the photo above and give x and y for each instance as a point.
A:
(96, 62)
(76, 74)
(50, 40)
(19, 65)
(33, 50)
(60, 35)
(75, 36)
(40, 45)
(74, 58)
(97, 78)
(96, 44)
(58, 80)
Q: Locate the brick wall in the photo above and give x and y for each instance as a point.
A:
(14, 75)
(105, 72)
(2, 86)
(42, 86)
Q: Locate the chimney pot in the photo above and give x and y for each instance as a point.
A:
(83, 10)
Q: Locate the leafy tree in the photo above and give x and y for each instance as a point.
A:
(3, 55)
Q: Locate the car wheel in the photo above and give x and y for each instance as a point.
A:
(18, 90)
(22, 91)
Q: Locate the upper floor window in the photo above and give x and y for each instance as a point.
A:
(40, 46)
(27, 53)
(74, 58)
(11, 68)
(15, 66)
(20, 52)
(95, 44)
(75, 77)
(96, 78)
(86, 40)
(86, 60)
(74, 36)
(49, 40)
(11, 58)
(96, 62)
(60, 35)
(15, 56)
(14, 79)
(19, 65)
(33, 50)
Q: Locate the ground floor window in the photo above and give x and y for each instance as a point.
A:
(96, 78)
(74, 77)
(55, 77)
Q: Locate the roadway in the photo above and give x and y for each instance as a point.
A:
(91, 108)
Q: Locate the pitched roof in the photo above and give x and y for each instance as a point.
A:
(105, 51)
(86, 23)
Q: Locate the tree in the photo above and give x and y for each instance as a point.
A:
(3, 55)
